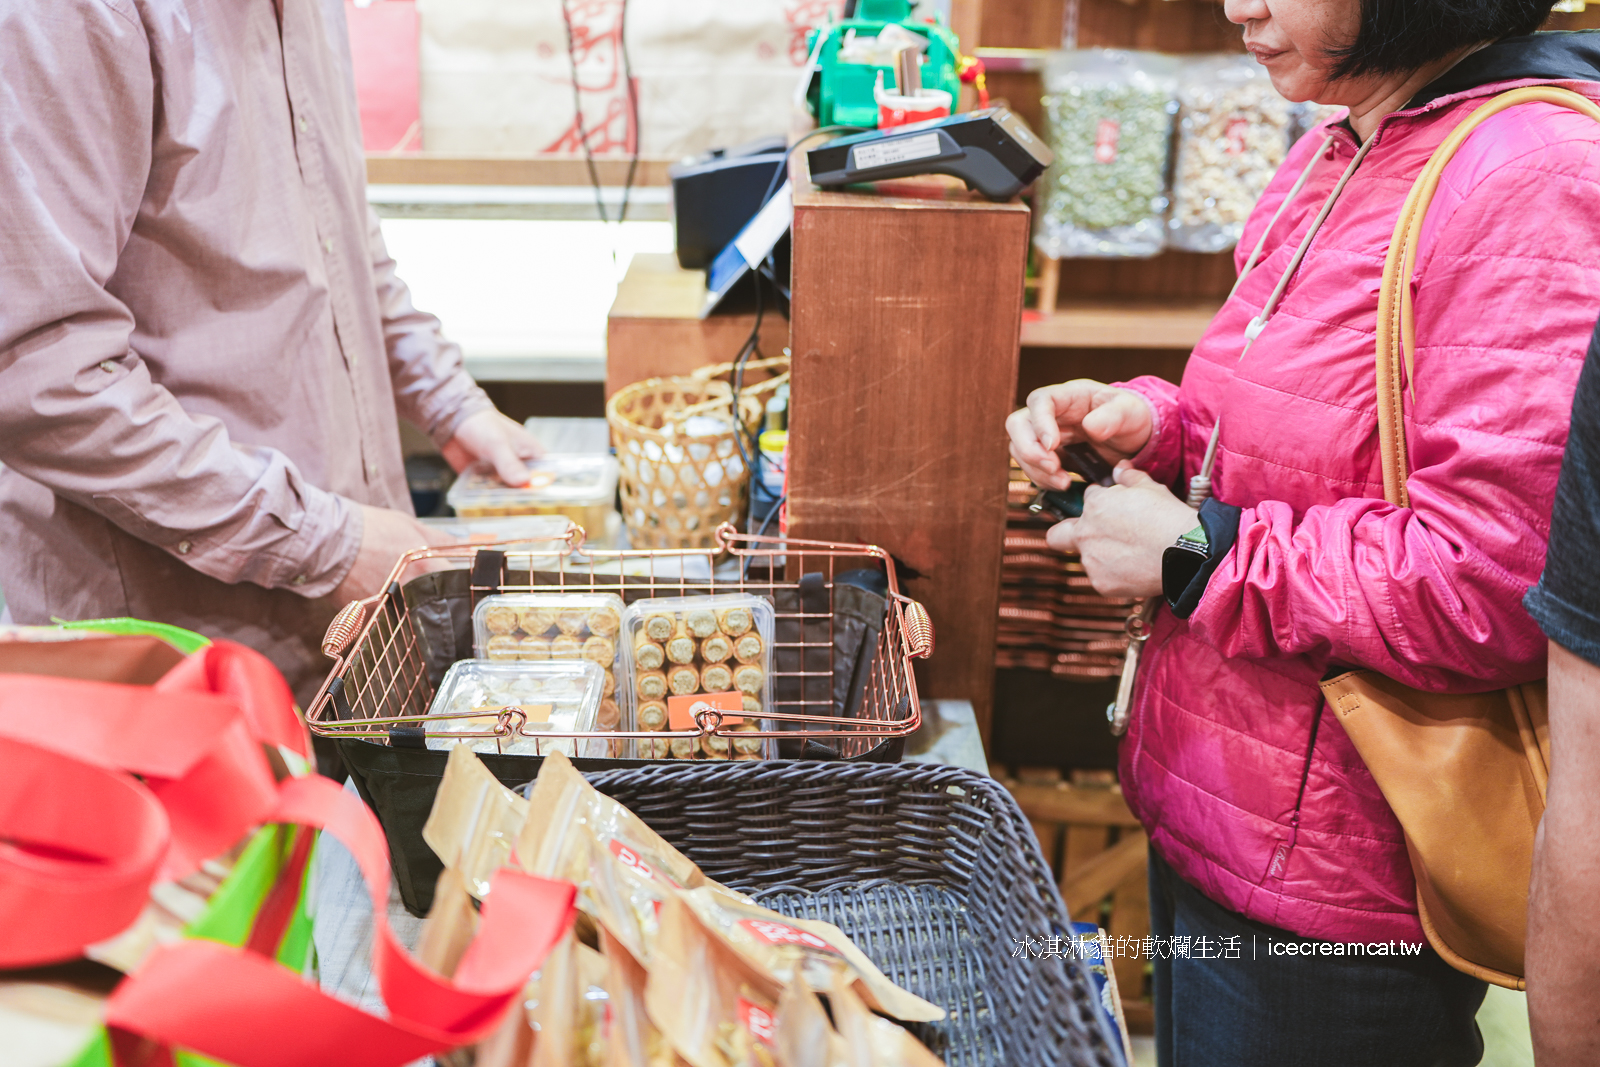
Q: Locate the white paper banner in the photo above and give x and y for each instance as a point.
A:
(496, 77)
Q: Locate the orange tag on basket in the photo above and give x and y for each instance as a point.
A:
(534, 712)
(681, 711)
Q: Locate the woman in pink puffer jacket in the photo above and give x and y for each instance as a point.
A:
(1265, 826)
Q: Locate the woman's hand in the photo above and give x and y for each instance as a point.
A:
(1118, 422)
(1124, 531)
(492, 439)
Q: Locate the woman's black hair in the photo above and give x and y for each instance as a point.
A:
(1402, 35)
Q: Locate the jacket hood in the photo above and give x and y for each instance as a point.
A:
(1572, 55)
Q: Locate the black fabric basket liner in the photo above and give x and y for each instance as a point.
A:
(398, 781)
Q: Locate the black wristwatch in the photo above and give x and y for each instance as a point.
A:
(1182, 562)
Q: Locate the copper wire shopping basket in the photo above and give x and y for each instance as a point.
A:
(386, 671)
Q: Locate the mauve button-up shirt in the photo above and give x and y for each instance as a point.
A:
(203, 343)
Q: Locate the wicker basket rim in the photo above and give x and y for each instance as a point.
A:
(627, 427)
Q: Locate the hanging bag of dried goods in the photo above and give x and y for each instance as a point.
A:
(1233, 132)
(1108, 115)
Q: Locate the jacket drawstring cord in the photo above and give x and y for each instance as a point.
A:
(1200, 484)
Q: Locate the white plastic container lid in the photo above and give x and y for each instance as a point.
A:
(518, 529)
(559, 696)
(562, 480)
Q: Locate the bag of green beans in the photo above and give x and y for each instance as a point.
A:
(1108, 114)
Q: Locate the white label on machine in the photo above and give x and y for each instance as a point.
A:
(921, 146)
(763, 231)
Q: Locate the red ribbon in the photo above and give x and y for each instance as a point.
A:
(81, 839)
(243, 1009)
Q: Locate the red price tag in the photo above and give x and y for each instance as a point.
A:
(1105, 141)
(758, 1021)
(1235, 134)
(775, 933)
(636, 863)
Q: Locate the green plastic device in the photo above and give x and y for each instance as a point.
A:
(840, 94)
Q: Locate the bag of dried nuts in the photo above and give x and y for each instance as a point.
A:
(1233, 133)
(1108, 114)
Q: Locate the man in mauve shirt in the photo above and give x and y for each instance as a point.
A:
(204, 346)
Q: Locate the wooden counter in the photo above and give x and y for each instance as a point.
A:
(654, 328)
(905, 334)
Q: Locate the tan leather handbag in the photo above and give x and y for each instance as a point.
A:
(1465, 774)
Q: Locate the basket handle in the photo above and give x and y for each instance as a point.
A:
(918, 629)
(705, 374)
(343, 629)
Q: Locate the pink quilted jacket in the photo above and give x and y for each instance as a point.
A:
(1246, 782)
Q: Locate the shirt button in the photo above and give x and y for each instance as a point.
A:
(108, 366)
(183, 548)
(372, 469)
(304, 125)
(299, 579)
(327, 245)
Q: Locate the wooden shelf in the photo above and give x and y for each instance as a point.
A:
(422, 168)
(1119, 324)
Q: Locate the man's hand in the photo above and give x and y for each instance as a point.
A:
(385, 536)
(1118, 422)
(490, 438)
(1124, 531)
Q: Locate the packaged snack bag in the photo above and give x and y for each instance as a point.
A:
(1233, 132)
(785, 950)
(1108, 116)
(567, 1006)
(632, 1040)
(475, 820)
(870, 1040)
(709, 1002)
(451, 924)
(805, 1037)
(623, 869)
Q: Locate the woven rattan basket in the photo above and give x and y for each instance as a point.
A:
(933, 870)
(684, 476)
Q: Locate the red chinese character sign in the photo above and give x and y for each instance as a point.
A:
(596, 28)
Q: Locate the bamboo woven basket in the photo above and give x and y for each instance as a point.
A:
(682, 474)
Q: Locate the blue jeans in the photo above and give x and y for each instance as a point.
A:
(1251, 1005)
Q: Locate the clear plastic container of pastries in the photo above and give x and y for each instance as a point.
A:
(682, 650)
(558, 696)
(580, 486)
(554, 627)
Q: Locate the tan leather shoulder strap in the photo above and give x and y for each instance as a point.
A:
(1396, 326)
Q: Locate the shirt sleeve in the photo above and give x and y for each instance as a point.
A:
(431, 385)
(1566, 602)
(82, 413)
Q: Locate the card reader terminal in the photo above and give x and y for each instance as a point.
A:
(991, 150)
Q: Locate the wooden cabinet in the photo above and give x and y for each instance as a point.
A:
(905, 324)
